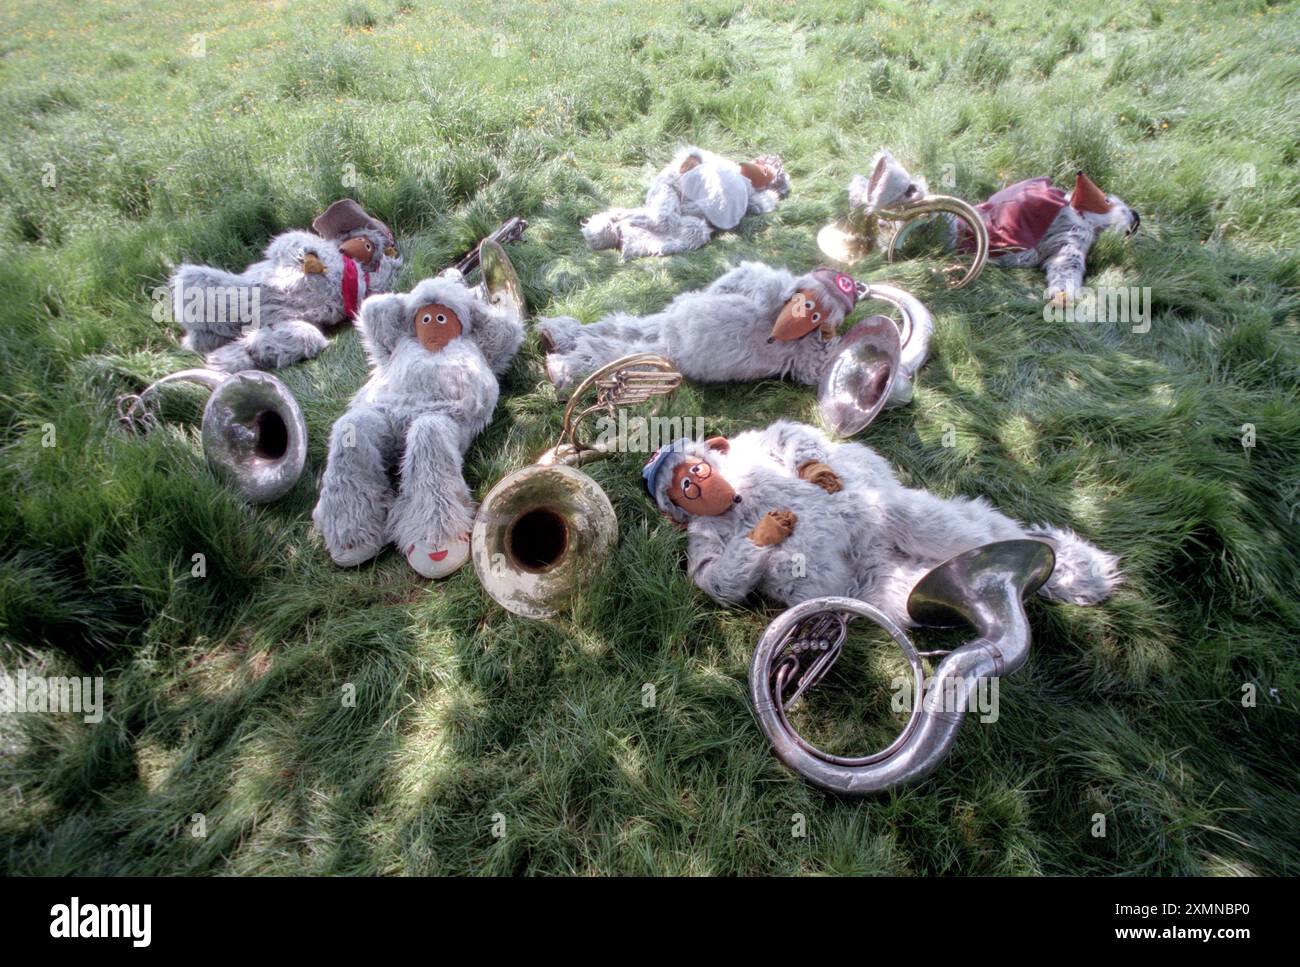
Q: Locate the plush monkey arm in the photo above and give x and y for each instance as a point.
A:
(663, 202)
(774, 528)
(810, 359)
(796, 445)
(1065, 267)
(819, 474)
(762, 202)
(498, 333)
(769, 287)
(727, 570)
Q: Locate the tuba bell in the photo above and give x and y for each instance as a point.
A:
(545, 529)
(876, 363)
(254, 434)
(855, 236)
(984, 588)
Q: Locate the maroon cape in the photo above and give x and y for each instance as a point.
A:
(1017, 217)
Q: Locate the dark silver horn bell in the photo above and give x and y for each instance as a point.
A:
(254, 434)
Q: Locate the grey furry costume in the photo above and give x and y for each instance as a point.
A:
(420, 410)
(1027, 227)
(718, 334)
(682, 208)
(873, 540)
(272, 314)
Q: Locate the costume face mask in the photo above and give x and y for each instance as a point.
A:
(360, 250)
(800, 316)
(758, 174)
(436, 325)
(699, 489)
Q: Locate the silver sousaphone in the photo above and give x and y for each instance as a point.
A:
(984, 588)
(864, 229)
(876, 363)
(544, 530)
(254, 434)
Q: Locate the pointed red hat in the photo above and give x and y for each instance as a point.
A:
(1087, 197)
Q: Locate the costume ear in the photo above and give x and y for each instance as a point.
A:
(383, 321)
(859, 188)
(719, 443)
(1087, 197)
(882, 165)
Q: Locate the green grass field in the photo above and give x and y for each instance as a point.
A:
(138, 134)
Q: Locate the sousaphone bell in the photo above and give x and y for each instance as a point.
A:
(984, 588)
(544, 530)
(876, 363)
(253, 431)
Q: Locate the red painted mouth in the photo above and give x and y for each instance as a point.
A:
(437, 555)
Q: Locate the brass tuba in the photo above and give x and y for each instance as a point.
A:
(876, 363)
(855, 236)
(984, 588)
(544, 529)
(254, 434)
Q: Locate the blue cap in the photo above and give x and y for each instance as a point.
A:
(650, 472)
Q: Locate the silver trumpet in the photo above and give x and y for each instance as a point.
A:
(855, 236)
(984, 588)
(876, 363)
(544, 530)
(254, 434)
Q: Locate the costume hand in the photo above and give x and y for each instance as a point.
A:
(821, 475)
(774, 528)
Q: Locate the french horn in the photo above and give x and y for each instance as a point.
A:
(984, 588)
(852, 238)
(253, 431)
(544, 530)
(876, 363)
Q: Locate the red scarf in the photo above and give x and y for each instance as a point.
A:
(352, 288)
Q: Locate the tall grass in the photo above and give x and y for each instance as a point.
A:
(225, 692)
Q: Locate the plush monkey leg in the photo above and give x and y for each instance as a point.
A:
(355, 493)
(726, 569)
(206, 304)
(285, 343)
(233, 357)
(432, 516)
(929, 530)
(272, 346)
(558, 333)
(601, 230)
(1084, 573)
(1065, 271)
(593, 346)
(684, 233)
